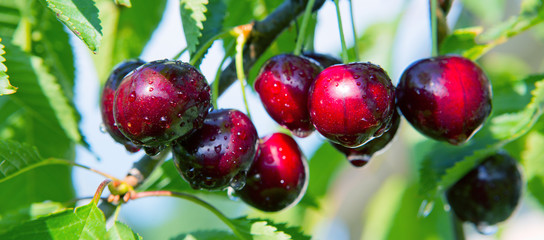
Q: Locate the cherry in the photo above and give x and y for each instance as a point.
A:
(278, 177)
(361, 155)
(106, 101)
(351, 103)
(161, 101)
(446, 98)
(282, 85)
(323, 59)
(489, 193)
(218, 154)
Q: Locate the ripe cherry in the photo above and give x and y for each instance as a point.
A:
(351, 103)
(489, 193)
(106, 101)
(360, 156)
(446, 98)
(278, 177)
(161, 101)
(220, 153)
(323, 59)
(283, 84)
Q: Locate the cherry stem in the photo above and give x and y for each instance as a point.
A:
(198, 55)
(193, 199)
(99, 191)
(434, 30)
(215, 87)
(180, 53)
(345, 58)
(116, 214)
(301, 33)
(239, 58)
(355, 47)
(63, 161)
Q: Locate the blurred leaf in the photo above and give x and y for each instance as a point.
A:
(9, 17)
(407, 221)
(265, 229)
(192, 18)
(125, 3)
(5, 86)
(85, 222)
(207, 235)
(40, 93)
(472, 43)
(81, 17)
(325, 162)
(121, 231)
(491, 11)
(126, 32)
(533, 165)
(31, 212)
(213, 25)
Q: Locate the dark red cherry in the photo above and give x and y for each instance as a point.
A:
(351, 103)
(278, 177)
(489, 193)
(360, 156)
(323, 59)
(447, 98)
(219, 154)
(283, 84)
(106, 101)
(161, 101)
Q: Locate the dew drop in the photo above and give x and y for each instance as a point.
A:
(151, 89)
(163, 119)
(239, 181)
(241, 135)
(231, 193)
(102, 128)
(425, 208)
(358, 83)
(282, 181)
(486, 229)
(225, 137)
(356, 76)
(212, 138)
(132, 97)
(276, 88)
(217, 148)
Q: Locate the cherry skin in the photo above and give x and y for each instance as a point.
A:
(106, 101)
(278, 177)
(323, 59)
(489, 193)
(220, 153)
(360, 156)
(161, 101)
(282, 85)
(351, 104)
(447, 98)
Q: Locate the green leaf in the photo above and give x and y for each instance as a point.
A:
(325, 162)
(81, 17)
(5, 86)
(533, 165)
(85, 222)
(125, 3)
(31, 212)
(193, 14)
(41, 94)
(264, 229)
(207, 235)
(16, 158)
(472, 43)
(213, 25)
(121, 231)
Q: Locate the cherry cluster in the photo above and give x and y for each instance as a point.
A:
(167, 103)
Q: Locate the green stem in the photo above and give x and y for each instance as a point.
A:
(215, 86)
(196, 57)
(193, 199)
(99, 191)
(345, 58)
(305, 18)
(457, 226)
(355, 47)
(180, 53)
(116, 214)
(434, 30)
(239, 58)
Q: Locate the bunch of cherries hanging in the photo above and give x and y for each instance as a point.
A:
(167, 103)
